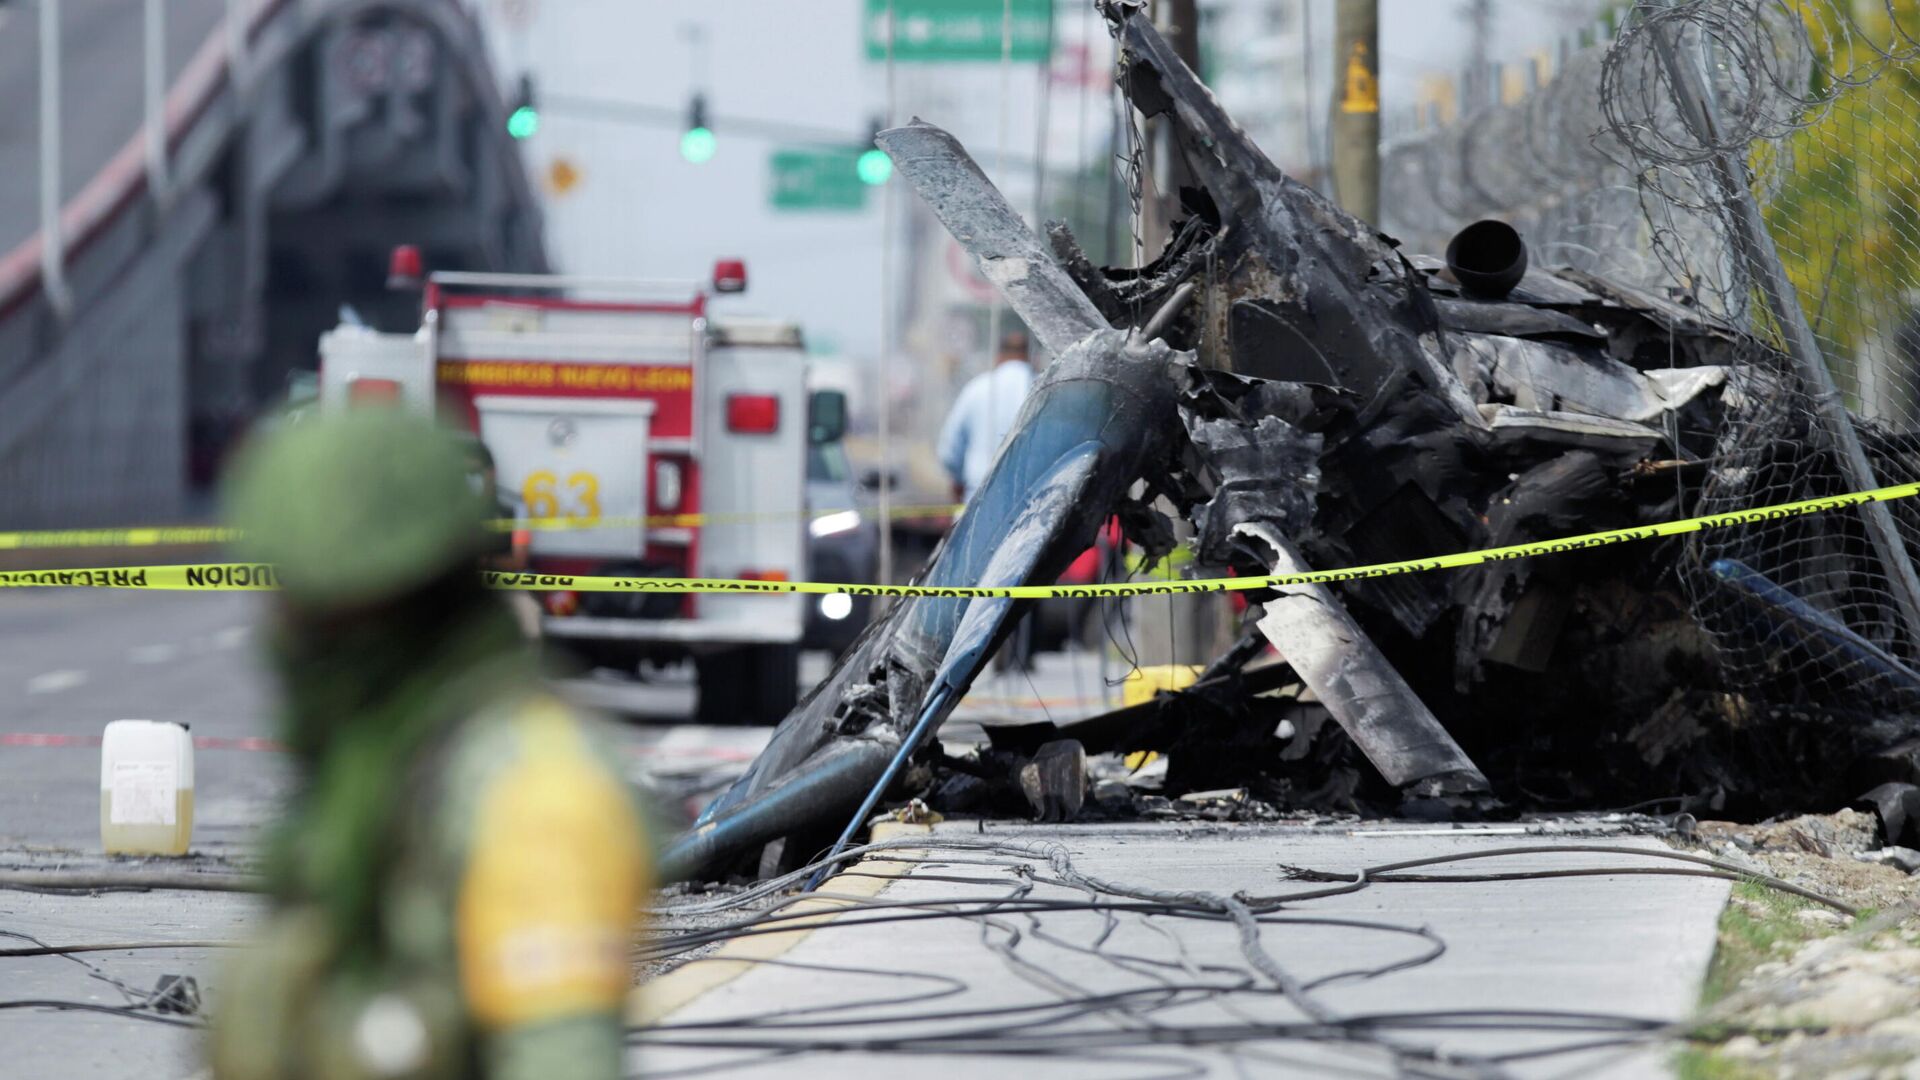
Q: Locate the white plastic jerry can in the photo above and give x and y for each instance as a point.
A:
(146, 788)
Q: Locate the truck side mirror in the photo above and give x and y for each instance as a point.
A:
(826, 416)
(874, 480)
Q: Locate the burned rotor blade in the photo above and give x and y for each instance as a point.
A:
(1357, 684)
(1101, 410)
(1007, 252)
(836, 779)
(1096, 416)
(1157, 80)
(1084, 434)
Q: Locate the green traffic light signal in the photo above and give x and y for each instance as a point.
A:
(697, 145)
(874, 167)
(524, 121)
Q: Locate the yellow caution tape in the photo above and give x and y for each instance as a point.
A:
(666, 521)
(226, 577)
(123, 537)
(167, 535)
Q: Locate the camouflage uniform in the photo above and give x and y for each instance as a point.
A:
(455, 885)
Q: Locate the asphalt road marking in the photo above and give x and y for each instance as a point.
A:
(232, 637)
(152, 654)
(200, 742)
(53, 682)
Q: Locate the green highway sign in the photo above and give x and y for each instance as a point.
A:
(930, 31)
(816, 178)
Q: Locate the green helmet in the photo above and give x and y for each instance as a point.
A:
(356, 508)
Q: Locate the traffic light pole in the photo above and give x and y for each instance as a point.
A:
(53, 248)
(1356, 109)
(154, 129)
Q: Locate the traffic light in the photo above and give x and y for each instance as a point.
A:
(524, 119)
(874, 166)
(697, 143)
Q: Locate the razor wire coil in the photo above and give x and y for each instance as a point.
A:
(1814, 106)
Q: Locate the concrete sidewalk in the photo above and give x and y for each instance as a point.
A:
(1622, 945)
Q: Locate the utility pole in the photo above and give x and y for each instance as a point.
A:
(1356, 107)
(1179, 22)
(1482, 88)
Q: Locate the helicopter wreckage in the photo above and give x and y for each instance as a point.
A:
(1304, 395)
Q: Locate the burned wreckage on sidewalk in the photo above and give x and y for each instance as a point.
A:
(1305, 395)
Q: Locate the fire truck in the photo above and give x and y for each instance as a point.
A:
(657, 439)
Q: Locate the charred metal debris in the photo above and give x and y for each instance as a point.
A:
(1304, 394)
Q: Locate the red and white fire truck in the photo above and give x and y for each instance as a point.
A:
(670, 442)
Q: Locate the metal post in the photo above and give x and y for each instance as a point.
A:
(1698, 109)
(236, 25)
(53, 254)
(1479, 17)
(1179, 22)
(1356, 114)
(155, 127)
(883, 363)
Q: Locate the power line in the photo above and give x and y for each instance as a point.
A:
(674, 118)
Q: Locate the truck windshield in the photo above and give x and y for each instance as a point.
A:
(827, 461)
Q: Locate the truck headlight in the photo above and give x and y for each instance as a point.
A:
(836, 606)
(666, 485)
(834, 524)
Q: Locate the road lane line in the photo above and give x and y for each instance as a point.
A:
(152, 654)
(720, 754)
(53, 682)
(200, 742)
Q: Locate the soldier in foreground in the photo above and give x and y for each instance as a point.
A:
(455, 884)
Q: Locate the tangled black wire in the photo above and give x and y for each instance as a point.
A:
(1154, 1027)
(1156, 1017)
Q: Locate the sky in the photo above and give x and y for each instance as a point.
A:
(639, 210)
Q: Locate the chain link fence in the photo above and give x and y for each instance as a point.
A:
(1758, 160)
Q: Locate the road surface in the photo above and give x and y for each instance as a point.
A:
(77, 659)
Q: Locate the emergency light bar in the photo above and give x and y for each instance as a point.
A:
(730, 276)
(753, 414)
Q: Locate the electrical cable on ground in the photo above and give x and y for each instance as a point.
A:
(1134, 1018)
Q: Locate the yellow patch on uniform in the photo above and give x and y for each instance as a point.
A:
(555, 871)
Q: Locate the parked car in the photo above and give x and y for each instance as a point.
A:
(843, 538)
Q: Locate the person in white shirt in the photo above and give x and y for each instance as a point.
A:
(983, 414)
